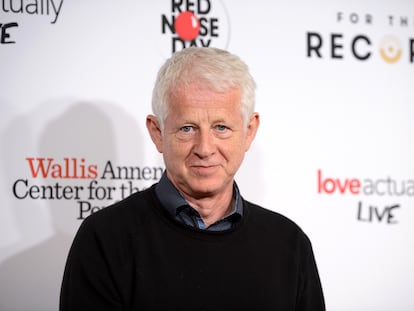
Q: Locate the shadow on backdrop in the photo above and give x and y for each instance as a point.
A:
(30, 279)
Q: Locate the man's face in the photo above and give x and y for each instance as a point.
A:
(204, 140)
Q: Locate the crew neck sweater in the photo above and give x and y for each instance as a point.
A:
(134, 256)
(173, 201)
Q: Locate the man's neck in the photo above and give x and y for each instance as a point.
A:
(212, 209)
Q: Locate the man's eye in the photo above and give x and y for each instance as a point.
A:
(221, 128)
(186, 129)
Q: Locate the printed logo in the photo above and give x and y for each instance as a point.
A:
(362, 46)
(386, 189)
(390, 49)
(49, 8)
(201, 23)
(88, 185)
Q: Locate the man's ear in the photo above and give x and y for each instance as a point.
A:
(252, 128)
(154, 130)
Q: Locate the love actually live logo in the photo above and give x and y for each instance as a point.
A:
(11, 10)
(386, 187)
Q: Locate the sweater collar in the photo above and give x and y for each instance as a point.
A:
(172, 200)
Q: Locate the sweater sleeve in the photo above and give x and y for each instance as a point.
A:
(310, 295)
(88, 282)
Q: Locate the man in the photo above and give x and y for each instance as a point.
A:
(191, 242)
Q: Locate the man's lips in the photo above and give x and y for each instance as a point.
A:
(204, 168)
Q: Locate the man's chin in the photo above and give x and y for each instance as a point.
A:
(203, 188)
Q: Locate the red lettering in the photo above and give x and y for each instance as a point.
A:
(330, 185)
(70, 168)
(354, 186)
(40, 166)
(93, 171)
(56, 171)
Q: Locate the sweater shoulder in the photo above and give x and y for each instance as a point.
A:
(269, 216)
(124, 214)
(274, 223)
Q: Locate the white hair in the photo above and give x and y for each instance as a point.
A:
(214, 68)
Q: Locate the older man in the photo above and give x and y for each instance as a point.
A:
(191, 241)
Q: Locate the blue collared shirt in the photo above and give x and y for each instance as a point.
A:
(172, 200)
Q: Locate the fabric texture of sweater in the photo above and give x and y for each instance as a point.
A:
(134, 256)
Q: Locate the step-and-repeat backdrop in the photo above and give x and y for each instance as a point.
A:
(334, 152)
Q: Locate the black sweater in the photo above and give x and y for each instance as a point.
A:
(134, 256)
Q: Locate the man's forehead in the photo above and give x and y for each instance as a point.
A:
(203, 88)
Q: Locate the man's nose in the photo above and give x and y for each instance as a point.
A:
(205, 144)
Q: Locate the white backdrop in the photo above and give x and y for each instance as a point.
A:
(334, 151)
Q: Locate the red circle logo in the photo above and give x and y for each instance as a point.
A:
(187, 26)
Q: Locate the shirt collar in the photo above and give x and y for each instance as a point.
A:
(172, 200)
